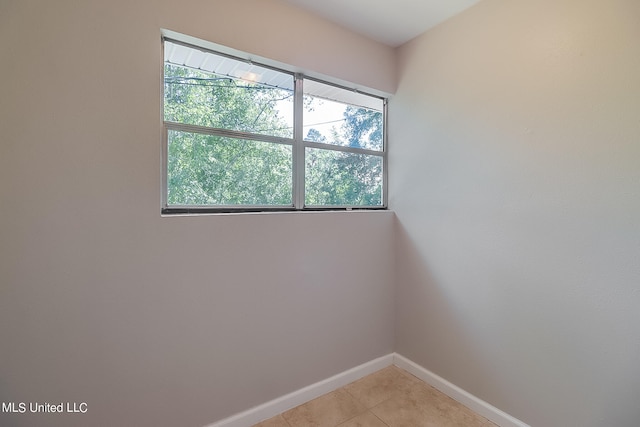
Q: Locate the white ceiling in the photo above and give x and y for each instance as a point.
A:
(392, 22)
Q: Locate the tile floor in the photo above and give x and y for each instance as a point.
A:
(390, 397)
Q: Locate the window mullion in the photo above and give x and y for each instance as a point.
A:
(298, 146)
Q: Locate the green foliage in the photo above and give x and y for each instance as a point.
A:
(204, 99)
(363, 128)
(215, 170)
(338, 178)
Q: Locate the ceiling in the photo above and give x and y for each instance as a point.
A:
(389, 22)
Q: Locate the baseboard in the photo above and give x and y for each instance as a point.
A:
(291, 400)
(467, 399)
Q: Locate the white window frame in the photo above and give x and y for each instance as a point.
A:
(298, 143)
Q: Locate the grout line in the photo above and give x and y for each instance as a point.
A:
(379, 417)
(355, 398)
(349, 419)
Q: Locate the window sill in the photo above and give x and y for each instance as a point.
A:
(170, 213)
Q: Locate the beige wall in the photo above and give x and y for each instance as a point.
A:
(164, 321)
(515, 177)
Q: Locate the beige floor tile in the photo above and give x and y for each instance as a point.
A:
(365, 420)
(382, 385)
(423, 406)
(326, 411)
(276, 421)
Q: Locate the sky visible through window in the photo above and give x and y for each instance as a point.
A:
(323, 116)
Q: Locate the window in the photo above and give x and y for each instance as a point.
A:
(243, 136)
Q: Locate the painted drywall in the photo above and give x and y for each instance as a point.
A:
(515, 177)
(156, 321)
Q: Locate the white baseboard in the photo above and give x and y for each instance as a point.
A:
(291, 400)
(467, 399)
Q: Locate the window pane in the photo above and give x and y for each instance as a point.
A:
(340, 117)
(338, 178)
(205, 89)
(214, 170)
